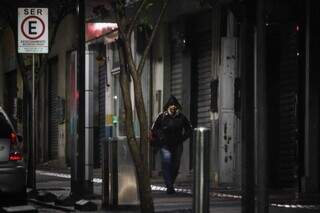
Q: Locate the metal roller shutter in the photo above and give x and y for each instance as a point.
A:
(203, 68)
(289, 86)
(176, 80)
(283, 89)
(53, 111)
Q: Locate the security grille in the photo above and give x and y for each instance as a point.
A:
(102, 113)
(176, 80)
(283, 90)
(289, 86)
(53, 112)
(203, 73)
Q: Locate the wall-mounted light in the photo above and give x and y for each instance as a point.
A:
(181, 40)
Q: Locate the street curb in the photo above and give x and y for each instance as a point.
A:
(51, 205)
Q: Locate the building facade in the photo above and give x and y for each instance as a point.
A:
(204, 54)
(196, 59)
(11, 94)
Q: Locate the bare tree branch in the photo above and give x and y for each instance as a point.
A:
(125, 39)
(131, 62)
(154, 32)
(125, 89)
(136, 16)
(138, 148)
(142, 116)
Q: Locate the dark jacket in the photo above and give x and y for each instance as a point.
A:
(171, 130)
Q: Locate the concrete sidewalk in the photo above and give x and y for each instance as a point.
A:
(178, 202)
(222, 199)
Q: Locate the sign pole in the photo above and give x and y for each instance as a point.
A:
(33, 38)
(33, 128)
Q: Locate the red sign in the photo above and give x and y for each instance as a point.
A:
(96, 30)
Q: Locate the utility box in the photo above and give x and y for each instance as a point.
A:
(127, 180)
(120, 181)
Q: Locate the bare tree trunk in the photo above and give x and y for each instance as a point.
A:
(142, 116)
(145, 188)
(142, 173)
(138, 97)
(128, 69)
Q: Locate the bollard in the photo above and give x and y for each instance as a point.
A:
(201, 159)
(110, 174)
(105, 175)
(114, 172)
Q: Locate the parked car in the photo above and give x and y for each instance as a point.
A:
(12, 167)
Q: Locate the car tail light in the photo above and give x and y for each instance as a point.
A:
(16, 156)
(13, 137)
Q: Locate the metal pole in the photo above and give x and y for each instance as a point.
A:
(89, 105)
(261, 109)
(201, 176)
(33, 171)
(78, 188)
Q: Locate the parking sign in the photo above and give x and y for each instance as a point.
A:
(33, 30)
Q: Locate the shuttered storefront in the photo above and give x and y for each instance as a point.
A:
(53, 110)
(283, 121)
(289, 88)
(176, 78)
(202, 63)
(190, 76)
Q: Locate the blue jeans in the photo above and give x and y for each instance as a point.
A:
(170, 162)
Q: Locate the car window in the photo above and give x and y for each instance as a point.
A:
(5, 128)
